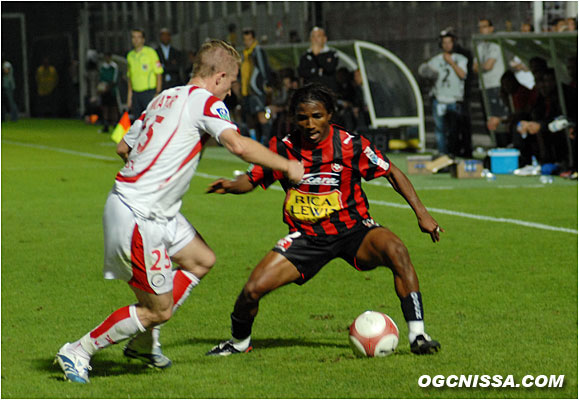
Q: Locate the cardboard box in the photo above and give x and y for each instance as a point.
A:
(440, 163)
(504, 161)
(417, 165)
(467, 169)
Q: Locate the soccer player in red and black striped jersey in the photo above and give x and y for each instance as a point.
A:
(327, 214)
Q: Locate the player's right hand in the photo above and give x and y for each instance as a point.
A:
(219, 186)
(295, 171)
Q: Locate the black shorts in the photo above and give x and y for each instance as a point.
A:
(309, 254)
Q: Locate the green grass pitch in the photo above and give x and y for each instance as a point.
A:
(499, 294)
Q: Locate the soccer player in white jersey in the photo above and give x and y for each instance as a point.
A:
(144, 230)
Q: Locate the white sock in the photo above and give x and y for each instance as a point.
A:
(242, 344)
(415, 328)
(120, 325)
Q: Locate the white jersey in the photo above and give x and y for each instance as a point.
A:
(449, 88)
(166, 148)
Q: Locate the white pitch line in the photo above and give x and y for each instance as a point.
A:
(58, 149)
(481, 217)
(376, 202)
(448, 212)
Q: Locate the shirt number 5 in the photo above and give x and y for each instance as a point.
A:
(149, 124)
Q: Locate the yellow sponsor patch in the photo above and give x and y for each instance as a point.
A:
(312, 207)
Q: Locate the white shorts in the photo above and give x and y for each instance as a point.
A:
(138, 250)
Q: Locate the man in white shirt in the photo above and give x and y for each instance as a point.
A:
(448, 92)
(143, 228)
(492, 68)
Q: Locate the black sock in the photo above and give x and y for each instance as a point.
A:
(240, 329)
(412, 307)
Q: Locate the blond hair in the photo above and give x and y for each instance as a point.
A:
(214, 56)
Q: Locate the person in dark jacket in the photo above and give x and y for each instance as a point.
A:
(319, 63)
(171, 59)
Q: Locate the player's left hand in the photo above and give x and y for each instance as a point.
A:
(219, 186)
(429, 225)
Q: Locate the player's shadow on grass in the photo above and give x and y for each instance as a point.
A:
(100, 367)
(265, 343)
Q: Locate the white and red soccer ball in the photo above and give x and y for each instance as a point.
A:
(373, 334)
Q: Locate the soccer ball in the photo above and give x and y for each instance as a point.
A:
(373, 334)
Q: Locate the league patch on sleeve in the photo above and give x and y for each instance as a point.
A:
(223, 113)
(216, 108)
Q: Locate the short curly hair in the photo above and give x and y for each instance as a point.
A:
(313, 92)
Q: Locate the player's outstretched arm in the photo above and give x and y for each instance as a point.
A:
(402, 185)
(253, 152)
(239, 185)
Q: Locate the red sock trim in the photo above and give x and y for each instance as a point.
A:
(119, 315)
(180, 284)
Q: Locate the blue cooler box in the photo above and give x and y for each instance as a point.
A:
(504, 161)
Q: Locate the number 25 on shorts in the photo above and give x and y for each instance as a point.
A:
(157, 255)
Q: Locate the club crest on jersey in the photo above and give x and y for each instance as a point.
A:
(337, 167)
(368, 152)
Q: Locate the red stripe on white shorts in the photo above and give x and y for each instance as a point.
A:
(139, 279)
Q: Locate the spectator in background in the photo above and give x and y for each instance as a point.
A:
(551, 142)
(345, 95)
(92, 99)
(571, 94)
(519, 98)
(287, 83)
(491, 67)
(522, 72)
(108, 91)
(144, 72)
(232, 34)
(294, 37)
(464, 139)
(171, 60)
(537, 65)
(255, 77)
(448, 92)
(319, 63)
(571, 24)
(521, 101)
(359, 106)
(526, 27)
(189, 67)
(8, 88)
(559, 25)
(46, 82)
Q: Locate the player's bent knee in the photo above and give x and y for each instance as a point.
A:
(255, 290)
(161, 316)
(209, 261)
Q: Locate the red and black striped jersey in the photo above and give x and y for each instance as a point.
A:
(329, 200)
